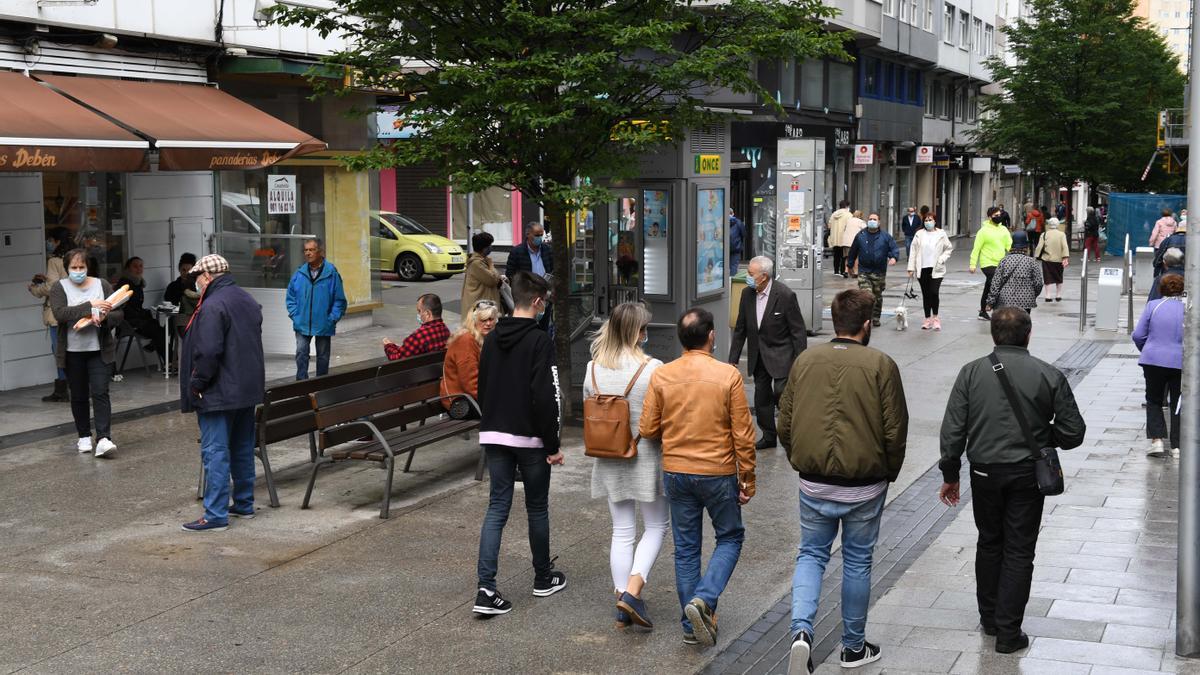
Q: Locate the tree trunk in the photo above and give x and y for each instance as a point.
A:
(563, 270)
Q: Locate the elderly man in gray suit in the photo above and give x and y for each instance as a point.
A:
(769, 319)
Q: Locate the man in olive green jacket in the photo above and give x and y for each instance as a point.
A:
(844, 422)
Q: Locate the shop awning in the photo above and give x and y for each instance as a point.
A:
(43, 131)
(193, 127)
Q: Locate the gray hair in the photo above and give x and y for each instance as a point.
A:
(1173, 257)
(318, 241)
(765, 264)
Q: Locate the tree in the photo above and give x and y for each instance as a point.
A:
(1084, 93)
(534, 94)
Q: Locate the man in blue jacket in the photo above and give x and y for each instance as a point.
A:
(221, 379)
(873, 252)
(316, 301)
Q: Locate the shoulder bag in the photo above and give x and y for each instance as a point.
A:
(1045, 460)
(606, 425)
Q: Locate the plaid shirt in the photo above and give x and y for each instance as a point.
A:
(430, 337)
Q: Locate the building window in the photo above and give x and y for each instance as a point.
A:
(972, 106)
(841, 86)
(889, 7)
(977, 35)
(914, 8)
(768, 74)
(989, 39)
(903, 11)
(930, 98)
(246, 231)
(948, 102)
(786, 94)
(964, 29)
(870, 77)
(929, 15)
(948, 24)
(812, 83)
(914, 87)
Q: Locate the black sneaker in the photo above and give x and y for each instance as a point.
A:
(868, 653)
(984, 316)
(800, 659)
(704, 624)
(690, 639)
(1010, 646)
(550, 585)
(491, 603)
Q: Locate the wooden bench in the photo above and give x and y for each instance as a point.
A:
(400, 411)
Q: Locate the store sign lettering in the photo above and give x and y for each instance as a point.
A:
(243, 159)
(708, 164)
(24, 159)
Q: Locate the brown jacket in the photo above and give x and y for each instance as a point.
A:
(481, 281)
(460, 371)
(697, 406)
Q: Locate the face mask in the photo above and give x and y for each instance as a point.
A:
(929, 225)
(996, 219)
(50, 246)
(78, 276)
(541, 313)
(486, 252)
(537, 241)
(872, 224)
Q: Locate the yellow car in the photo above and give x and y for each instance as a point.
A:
(406, 247)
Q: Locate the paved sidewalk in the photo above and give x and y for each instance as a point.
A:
(1103, 598)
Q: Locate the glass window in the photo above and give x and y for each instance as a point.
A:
(903, 11)
(624, 252)
(989, 38)
(948, 24)
(405, 224)
(768, 74)
(948, 102)
(91, 205)
(964, 34)
(710, 241)
(977, 36)
(929, 15)
(787, 82)
(812, 83)
(914, 87)
(930, 98)
(914, 16)
(656, 219)
(382, 230)
(492, 210)
(870, 76)
(889, 7)
(248, 234)
(972, 106)
(841, 86)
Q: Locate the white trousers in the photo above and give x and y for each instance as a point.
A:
(626, 558)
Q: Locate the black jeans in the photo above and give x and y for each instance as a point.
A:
(988, 272)
(766, 396)
(1008, 514)
(1162, 383)
(931, 290)
(87, 377)
(839, 260)
(502, 464)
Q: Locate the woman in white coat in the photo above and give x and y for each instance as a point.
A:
(927, 262)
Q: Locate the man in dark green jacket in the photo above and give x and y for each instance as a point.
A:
(844, 422)
(1006, 501)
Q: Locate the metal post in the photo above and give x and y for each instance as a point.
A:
(1083, 290)
(1129, 316)
(470, 219)
(1187, 628)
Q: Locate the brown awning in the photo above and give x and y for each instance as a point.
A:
(194, 127)
(43, 131)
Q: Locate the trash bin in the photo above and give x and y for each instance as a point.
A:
(1108, 298)
(1143, 269)
(736, 283)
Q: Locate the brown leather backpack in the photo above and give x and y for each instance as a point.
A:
(606, 428)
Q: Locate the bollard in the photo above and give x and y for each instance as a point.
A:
(1083, 292)
(1129, 318)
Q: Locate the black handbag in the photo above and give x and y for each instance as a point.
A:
(1046, 465)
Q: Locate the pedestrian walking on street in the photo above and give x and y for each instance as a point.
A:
(222, 375)
(1163, 227)
(1159, 337)
(57, 241)
(910, 224)
(932, 251)
(844, 423)
(482, 280)
(769, 319)
(838, 220)
(533, 256)
(697, 406)
(1055, 255)
(1091, 234)
(460, 370)
(430, 336)
(519, 397)
(1006, 500)
(86, 354)
(1035, 224)
(1172, 264)
(737, 242)
(992, 242)
(1177, 240)
(1018, 277)
(316, 301)
(618, 364)
(872, 253)
(854, 226)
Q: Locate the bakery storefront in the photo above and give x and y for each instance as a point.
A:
(133, 168)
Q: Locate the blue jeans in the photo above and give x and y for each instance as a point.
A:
(690, 495)
(62, 374)
(502, 464)
(819, 520)
(227, 447)
(302, 342)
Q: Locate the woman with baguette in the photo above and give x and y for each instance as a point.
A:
(617, 357)
(83, 307)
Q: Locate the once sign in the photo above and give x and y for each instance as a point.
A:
(708, 164)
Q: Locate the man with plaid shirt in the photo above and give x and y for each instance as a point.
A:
(430, 337)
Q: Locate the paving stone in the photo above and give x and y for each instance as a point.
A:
(1087, 534)
(1126, 550)
(1124, 614)
(1137, 636)
(886, 633)
(910, 597)
(1165, 567)
(1107, 670)
(950, 640)
(1073, 651)
(991, 663)
(1069, 591)
(1080, 561)
(1146, 598)
(925, 618)
(1049, 573)
(1141, 582)
(914, 659)
(1067, 629)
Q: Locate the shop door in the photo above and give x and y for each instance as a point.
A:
(624, 250)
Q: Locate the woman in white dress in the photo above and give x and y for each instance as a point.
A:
(628, 483)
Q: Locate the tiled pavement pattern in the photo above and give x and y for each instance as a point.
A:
(1103, 598)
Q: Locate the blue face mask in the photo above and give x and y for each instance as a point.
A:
(50, 246)
(929, 225)
(872, 224)
(537, 241)
(78, 276)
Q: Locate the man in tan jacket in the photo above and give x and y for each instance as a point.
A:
(697, 406)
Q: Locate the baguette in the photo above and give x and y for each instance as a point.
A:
(120, 297)
(123, 289)
(83, 323)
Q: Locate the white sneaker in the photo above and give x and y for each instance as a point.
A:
(1175, 453)
(84, 444)
(1156, 449)
(104, 446)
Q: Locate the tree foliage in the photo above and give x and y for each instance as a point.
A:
(1082, 99)
(533, 94)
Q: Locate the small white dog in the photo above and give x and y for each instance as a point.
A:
(901, 317)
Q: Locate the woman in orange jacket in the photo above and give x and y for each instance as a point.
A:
(460, 371)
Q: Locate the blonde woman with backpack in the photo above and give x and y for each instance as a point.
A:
(617, 357)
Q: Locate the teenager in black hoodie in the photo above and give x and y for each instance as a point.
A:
(519, 397)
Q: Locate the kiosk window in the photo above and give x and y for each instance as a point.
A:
(656, 251)
(710, 241)
(625, 268)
